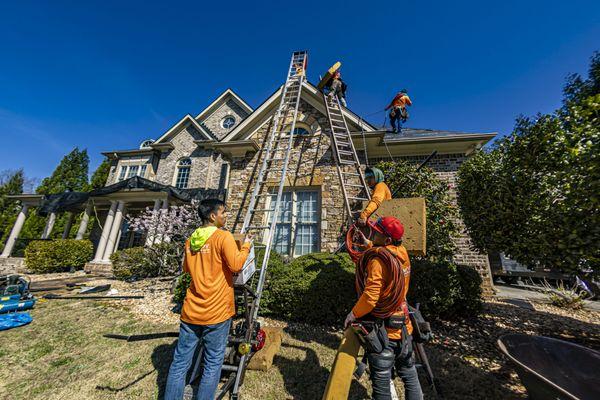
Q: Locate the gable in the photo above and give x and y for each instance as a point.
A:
(229, 112)
(187, 121)
(310, 94)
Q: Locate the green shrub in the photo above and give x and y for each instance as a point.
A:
(183, 283)
(316, 288)
(444, 290)
(133, 263)
(57, 255)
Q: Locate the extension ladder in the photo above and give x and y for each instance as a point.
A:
(351, 178)
(264, 205)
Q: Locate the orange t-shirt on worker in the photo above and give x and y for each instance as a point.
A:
(209, 299)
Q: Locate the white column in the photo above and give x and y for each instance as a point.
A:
(84, 222)
(105, 231)
(151, 232)
(49, 225)
(114, 232)
(15, 231)
(68, 225)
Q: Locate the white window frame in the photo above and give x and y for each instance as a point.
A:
(225, 118)
(126, 169)
(178, 168)
(294, 219)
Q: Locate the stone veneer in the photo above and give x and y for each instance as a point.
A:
(213, 122)
(311, 166)
(206, 166)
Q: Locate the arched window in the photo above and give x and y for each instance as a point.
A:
(300, 131)
(183, 173)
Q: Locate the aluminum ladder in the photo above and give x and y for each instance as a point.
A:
(351, 178)
(275, 154)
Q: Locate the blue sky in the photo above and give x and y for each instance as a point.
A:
(106, 75)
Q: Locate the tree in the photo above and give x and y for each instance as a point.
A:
(100, 176)
(70, 174)
(11, 182)
(441, 213)
(535, 195)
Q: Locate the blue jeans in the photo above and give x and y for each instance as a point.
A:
(213, 339)
(381, 364)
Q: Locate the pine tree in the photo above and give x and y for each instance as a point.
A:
(100, 176)
(70, 174)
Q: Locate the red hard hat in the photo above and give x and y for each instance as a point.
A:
(389, 226)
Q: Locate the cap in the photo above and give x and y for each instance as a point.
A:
(388, 226)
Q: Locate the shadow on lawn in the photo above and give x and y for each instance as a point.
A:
(161, 359)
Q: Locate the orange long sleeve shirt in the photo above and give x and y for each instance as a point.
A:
(209, 299)
(381, 192)
(377, 275)
(400, 101)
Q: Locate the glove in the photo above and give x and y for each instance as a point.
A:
(350, 318)
(361, 221)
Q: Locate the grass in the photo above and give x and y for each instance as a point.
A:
(63, 355)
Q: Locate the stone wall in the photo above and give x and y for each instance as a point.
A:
(206, 166)
(311, 166)
(213, 122)
(446, 168)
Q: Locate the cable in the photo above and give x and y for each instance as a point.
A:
(393, 299)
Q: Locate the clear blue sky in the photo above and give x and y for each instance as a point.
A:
(105, 76)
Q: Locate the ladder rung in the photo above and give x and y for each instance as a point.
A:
(353, 185)
(357, 198)
(263, 209)
(348, 153)
(348, 162)
(350, 173)
(258, 227)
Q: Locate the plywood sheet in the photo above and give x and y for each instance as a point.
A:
(411, 212)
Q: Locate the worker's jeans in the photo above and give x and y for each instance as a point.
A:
(380, 367)
(213, 339)
(396, 121)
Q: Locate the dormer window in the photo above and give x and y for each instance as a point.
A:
(228, 122)
(146, 144)
(182, 178)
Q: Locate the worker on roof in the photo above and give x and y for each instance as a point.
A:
(211, 258)
(398, 113)
(382, 279)
(337, 87)
(381, 192)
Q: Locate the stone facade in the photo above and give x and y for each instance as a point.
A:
(213, 123)
(311, 165)
(206, 166)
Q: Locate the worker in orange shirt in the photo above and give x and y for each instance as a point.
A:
(375, 180)
(382, 279)
(211, 258)
(398, 113)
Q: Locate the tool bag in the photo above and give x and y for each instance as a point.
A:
(421, 328)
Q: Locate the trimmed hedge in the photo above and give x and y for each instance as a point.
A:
(133, 263)
(57, 255)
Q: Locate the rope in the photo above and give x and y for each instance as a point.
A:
(392, 301)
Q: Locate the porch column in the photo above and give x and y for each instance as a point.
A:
(49, 225)
(150, 237)
(114, 232)
(105, 231)
(68, 225)
(84, 222)
(15, 231)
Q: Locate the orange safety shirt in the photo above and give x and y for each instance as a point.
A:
(378, 276)
(209, 299)
(381, 192)
(401, 100)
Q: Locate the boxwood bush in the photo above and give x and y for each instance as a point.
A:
(134, 263)
(57, 255)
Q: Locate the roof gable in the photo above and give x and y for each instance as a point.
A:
(175, 129)
(310, 94)
(223, 97)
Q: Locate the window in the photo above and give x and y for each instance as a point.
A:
(183, 173)
(146, 144)
(297, 230)
(129, 171)
(228, 122)
(300, 131)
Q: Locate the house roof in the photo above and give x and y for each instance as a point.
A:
(212, 107)
(309, 93)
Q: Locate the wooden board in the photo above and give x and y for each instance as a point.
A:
(263, 359)
(328, 75)
(411, 212)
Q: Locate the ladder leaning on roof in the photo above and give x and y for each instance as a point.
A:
(275, 154)
(347, 163)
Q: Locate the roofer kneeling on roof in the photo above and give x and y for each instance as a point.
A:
(211, 257)
(381, 192)
(381, 312)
